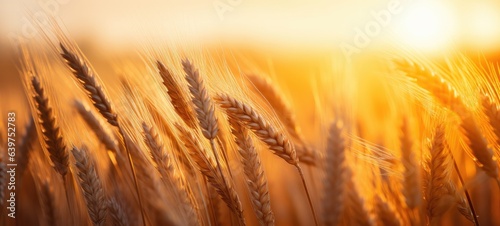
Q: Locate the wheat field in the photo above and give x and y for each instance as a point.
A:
(184, 134)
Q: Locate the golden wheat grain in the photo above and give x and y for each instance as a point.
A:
(26, 142)
(167, 170)
(493, 113)
(176, 95)
(204, 108)
(386, 213)
(438, 87)
(335, 180)
(208, 168)
(108, 140)
(357, 212)
(277, 102)
(464, 209)
(254, 172)
(438, 194)
(411, 180)
(181, 155)
(53, 139)
(91, 186)
(48, 203)
(117, 213)
(277, 142)
(479, 147)
(272, 95)
(88, 81)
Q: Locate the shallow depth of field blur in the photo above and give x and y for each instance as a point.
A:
(387, 72)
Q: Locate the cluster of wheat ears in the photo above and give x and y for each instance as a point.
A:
(182, 143)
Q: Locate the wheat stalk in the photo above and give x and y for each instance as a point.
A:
(254, 172)
(356, 209)
(493, 113)
(25, 146)
(48, 206)
(438, 87)
(204, 108)
(270, 93)
(208, 168)
(479, 147)
(464, 209)
(91, 186)
(96, 126)
(117, 213)
(87, 79)
(335, 180)
(167, 170)
(176, 95)
(438, 195)
(277, 142)
(53, 139)
(411, 181)
(386, 213)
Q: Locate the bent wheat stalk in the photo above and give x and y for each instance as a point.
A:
(207, 167)
(256, 179)
(96, 126)
(479, 147)
(53, 139)
(91, 186)
(205, 110)
(438, 193)
(166, 169)
(411, 181)
(277, 142)
(278, 103)
(335, 180)
(177, 98)
(86, 77)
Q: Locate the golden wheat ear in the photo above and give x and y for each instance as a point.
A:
(117, 213)
(177, 98)
(204, 107)
(438, 195)
(208, 168)
(411, 181)
(99, 130)
(52, 137)
(276, 141)
(166, 168)
(439, 88)
(335, 176)
(254, 172)
(26, 145)
(479, 147)
(87, 79)
(91, 186)
(83, 73)
(48, 203)
(386, 213)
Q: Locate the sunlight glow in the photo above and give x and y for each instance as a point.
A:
(427, 25)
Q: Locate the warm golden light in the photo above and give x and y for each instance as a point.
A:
(250, 112)
(427, 25)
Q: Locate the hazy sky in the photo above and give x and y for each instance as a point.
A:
(303, 21)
